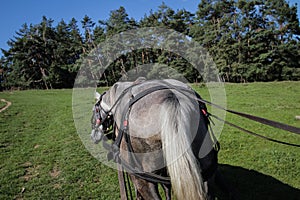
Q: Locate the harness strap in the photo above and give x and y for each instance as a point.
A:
(122, 183)
(126, 112)
(148, 176)
(124, 92)
(261, 120)
(255, 134)
(123, 132)
(128, 181)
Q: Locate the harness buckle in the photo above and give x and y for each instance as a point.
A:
(205, 113)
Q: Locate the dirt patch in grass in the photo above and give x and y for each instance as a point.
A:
(55, 172)
(2, 108)
(31, 171)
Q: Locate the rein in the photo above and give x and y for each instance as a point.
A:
(260, 120)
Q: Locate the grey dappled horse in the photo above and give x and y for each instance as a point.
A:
(168, 136)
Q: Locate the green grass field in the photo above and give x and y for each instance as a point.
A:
(2, 104)
(42, 156)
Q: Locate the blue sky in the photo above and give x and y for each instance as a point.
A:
(14, 13)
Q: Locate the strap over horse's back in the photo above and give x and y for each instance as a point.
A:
(123, 132)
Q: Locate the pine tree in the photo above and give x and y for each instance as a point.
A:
(30, 55)
(88, 25)
(117, 22)
(214, 29)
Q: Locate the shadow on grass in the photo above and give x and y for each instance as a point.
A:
(255, 185)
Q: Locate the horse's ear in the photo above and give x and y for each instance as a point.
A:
(116, 85)
(97, 96)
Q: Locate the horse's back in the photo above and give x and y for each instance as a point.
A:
(145, 115)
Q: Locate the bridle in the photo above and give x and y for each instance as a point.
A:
(102, 119)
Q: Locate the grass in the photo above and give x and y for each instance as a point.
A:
(42, 156)
(258, 168)
(2, 104)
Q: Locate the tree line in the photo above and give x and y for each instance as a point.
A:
(249, 40)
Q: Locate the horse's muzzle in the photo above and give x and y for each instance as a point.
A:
(97, 135)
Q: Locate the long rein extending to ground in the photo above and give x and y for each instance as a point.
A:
(261, 120)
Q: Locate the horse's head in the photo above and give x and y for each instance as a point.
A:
(102, 119)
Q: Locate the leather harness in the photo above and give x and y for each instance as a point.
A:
(114, 148)
(135, 167)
